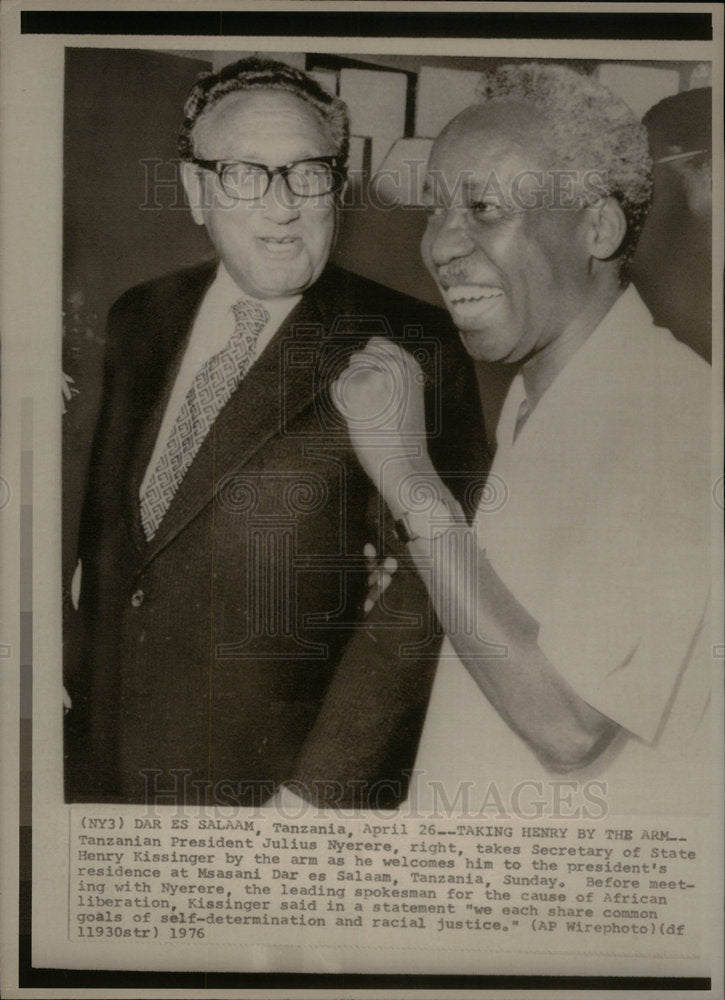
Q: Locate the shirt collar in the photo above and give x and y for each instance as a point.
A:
(225, 292)
(599, 353)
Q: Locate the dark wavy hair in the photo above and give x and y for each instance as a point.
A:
(590, 128)
(263, 74)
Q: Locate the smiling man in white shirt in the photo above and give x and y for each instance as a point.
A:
(576, 607)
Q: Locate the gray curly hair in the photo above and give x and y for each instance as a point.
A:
(263, 74)
(590, 128)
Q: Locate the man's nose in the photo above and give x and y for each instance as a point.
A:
(450, 237)
(279, 204)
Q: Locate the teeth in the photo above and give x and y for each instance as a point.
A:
(472, 293)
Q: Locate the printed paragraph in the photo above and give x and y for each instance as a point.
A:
(170, 878)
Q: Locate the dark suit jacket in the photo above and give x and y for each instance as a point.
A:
(225, 656)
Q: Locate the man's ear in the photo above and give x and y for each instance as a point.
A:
(194, 187)
(607, 227)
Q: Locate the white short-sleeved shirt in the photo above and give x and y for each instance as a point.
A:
(597, 520)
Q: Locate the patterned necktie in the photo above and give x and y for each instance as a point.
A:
(210, 391)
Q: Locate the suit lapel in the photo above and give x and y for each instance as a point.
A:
(265, 401)
(171, 321)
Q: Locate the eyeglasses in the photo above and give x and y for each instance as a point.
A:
(246, 181)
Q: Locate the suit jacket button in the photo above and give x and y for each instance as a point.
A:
(137, 598)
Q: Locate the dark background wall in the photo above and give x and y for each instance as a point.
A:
(121, 107)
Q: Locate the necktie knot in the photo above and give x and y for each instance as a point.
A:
(250, 317)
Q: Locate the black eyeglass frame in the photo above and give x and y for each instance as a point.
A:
(337, 164)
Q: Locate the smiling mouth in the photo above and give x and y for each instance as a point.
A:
(471, 302)
(468, 295)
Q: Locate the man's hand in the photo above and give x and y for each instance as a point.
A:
(380, 395)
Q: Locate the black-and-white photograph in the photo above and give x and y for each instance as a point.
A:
(375, 602)
(297, 419)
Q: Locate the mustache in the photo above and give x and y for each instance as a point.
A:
(455, 273)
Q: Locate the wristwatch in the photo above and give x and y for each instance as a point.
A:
(403, 530)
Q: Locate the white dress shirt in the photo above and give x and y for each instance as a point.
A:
(597, 520)
(213, 326)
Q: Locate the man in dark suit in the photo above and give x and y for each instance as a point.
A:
(220, 647)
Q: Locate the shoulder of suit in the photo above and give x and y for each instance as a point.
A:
(166, 288)
(359, 293)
